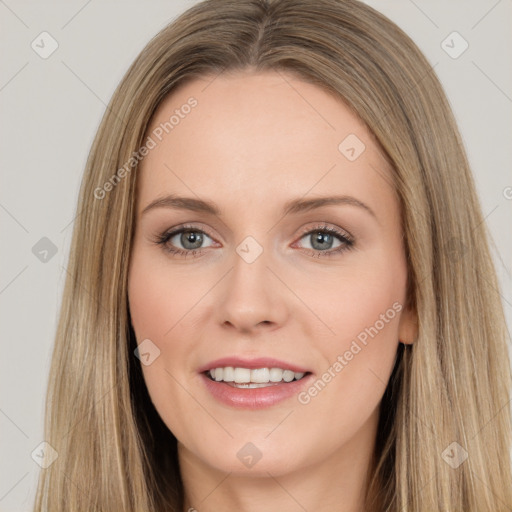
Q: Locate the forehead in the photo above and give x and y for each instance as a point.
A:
(258, 136)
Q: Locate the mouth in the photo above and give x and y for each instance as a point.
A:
(253, 384)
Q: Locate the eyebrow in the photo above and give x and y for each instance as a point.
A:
(291, 207)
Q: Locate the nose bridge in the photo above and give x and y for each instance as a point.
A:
(251, 290)
(250, 275)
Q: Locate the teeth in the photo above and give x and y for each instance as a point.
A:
(276, 375)
(229, 374)
(242, 375)
(260, 375)
(255, 376)
(288, 375)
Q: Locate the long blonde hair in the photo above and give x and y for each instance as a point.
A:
(451, 386)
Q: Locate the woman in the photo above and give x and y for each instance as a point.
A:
(212, 352)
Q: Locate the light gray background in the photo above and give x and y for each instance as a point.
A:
(51, 108)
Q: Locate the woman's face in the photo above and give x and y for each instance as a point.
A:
(277, 283)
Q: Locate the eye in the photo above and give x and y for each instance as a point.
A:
(322, 239)
(189, 237)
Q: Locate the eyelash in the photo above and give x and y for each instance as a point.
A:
(346, 240)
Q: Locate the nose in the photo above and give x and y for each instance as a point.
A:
(252, 297)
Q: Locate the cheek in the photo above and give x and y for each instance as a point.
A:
(158, 298)
(158, 302)
(367, 293)
(363, 308)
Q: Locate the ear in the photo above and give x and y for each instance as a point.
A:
(408, 326)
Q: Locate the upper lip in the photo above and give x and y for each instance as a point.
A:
(259, 362)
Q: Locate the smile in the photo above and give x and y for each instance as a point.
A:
(253, 383)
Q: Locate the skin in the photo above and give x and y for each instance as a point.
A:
(253, 142)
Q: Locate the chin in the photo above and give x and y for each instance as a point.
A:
(247, 459)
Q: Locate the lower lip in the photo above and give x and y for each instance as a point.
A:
(254, 398)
